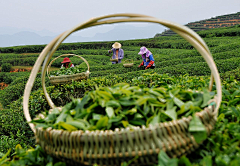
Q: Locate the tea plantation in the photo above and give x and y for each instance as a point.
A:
(178, 65)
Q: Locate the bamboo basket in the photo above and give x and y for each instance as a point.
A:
(113, 147)
(128, 63)
(68, 78)
(113, 60)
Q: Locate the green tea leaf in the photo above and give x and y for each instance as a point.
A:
(102, 103)
(139, 122)
(185, 107)
(138, 116)
(115, 119)
(142, 100)
(175, 91)
(66, 126)
(62, 117)
(220, 117)
(155, 120)
(86, 123)
(234, 102)
(105, 95)
(69, 118)
(43, 125)
(176, 100)
(146, 108)
(102, 123)
(112, 103)
(131, 111)
(37, 121)
(60, 164)
(90, 128)
(91, 107)
(206, 97)
(55, 111)
(4, 158)
(170, 104)
(125, 123)
(160, 90)
(77, 124)
(198, 100)
(164, 160)
(226, 92)
(184, 161)
(49, 164)
(171, 113)
(197, 129)
(207, 161)
(81, 104)
(126, 101)
(236, 112)
(151, 91)
(223, 159)
(125, 91)
(110, 112)
(96, 116)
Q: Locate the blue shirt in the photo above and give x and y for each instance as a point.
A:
(120, 55)
(148, 59)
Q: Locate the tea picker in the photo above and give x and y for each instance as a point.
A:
(148, 61)
(118, 53)
(67, 63)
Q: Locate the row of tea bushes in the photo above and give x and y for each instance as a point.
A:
(15, 90)
(220, 147)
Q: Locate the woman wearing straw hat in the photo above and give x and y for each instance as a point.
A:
(67, 63)
(117, 52)
(148, 61)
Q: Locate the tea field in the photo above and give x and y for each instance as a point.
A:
(178, 66)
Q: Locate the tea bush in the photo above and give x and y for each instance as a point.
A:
(16, 89)
(5, 78)
(14, 130)
(6, 67)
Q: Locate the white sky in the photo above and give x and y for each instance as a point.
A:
(60, 15)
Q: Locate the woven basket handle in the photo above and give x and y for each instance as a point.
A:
(192, 37)
(48, 68)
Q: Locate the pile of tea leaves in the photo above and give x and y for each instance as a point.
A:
(68, 71)
(122, 106)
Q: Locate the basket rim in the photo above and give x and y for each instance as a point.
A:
(128, 64)
(113, 60)
(72, 75)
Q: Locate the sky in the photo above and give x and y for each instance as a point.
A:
(58, 16)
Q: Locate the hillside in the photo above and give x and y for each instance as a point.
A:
(214, 22)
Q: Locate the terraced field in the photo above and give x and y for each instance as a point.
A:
(178, 65)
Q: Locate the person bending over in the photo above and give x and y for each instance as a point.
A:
(148, 60)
